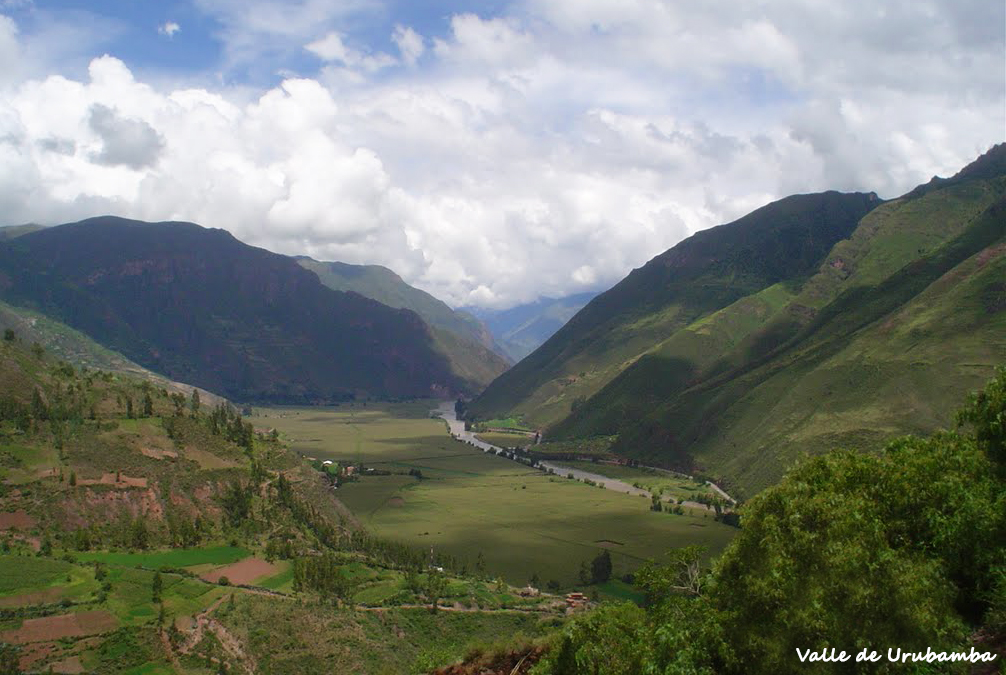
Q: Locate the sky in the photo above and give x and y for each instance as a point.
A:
(489, 152)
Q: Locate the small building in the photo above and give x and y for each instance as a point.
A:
(574, 600)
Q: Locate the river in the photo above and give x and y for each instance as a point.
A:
(446, 411)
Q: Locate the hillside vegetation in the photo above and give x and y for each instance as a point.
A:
(896, 320)
(902, 550)
(143, 531)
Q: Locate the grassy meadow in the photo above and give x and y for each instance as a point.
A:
(648, 479)
(522, 521)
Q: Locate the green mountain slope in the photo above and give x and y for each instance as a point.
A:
(901, 319)
(199, 306)
(783, 241)
(459, 336)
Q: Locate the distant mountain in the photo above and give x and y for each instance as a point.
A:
(877, 336)
(522, 329)
(460, 336)
(199, 306)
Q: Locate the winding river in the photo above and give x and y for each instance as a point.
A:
(457, 428)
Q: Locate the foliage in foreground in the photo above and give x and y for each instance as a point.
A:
(902, 550)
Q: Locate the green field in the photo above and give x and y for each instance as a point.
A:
(522, 521)
(648, 479)
(176, 557)
(505, 440)
(507, 423)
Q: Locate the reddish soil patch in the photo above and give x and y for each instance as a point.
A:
(396, 501)
(57, 627)
(68, 666)
(154, 453)
(18, 519)
(243, 572)
(36, 598)
(34, 653)
(109, 479)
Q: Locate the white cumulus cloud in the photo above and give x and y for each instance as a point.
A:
(542, 151)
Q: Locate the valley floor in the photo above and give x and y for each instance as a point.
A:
(522, 522)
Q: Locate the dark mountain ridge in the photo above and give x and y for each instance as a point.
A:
(199, 306)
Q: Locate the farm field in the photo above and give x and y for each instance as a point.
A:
(648, 479)
(522, 521)
(505, 440)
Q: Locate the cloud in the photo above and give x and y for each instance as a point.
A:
(332, 48)
(541, 151)
(125, 142)
(169, 28)
(410, 44)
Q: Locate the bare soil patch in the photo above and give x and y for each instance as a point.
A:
(396, 501)
(110, 479)
(68, 666)
(66, 625)
(155, 453)
(244, 572)
(207, 460)
(18, 519)
(35, 598)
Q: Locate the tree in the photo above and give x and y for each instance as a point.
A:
(585, 577)
(8, 335)
(139, 536)
(681, 575)
(178, 400)
(10, 659)
(194, 403)
(436, 586)
(156, 587)
(39, 410)
(985, 411)
(863, 550)
(600, 568)
(148, 405)
(480, 562)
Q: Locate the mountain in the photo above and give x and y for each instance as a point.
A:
(14, 231)
(778, 243)
(459, 336)
(199, 306)
(522, 329)
(897, 321)
(62, 342)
